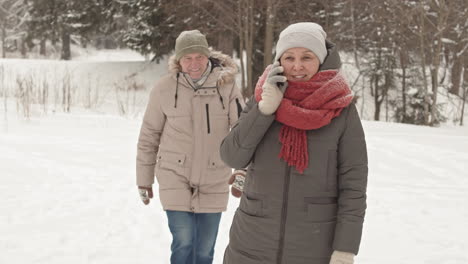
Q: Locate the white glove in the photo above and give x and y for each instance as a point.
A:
(146, 193)
(272, 94)
(340, 257)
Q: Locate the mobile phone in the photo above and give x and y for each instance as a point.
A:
(280, 84)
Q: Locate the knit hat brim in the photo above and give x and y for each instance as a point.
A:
(298, 40)
(193, 49)
(302, 35)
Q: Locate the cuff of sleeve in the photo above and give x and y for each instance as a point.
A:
(145, 176)
(347, 237)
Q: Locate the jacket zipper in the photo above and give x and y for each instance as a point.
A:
(208, 118)
(284, 213)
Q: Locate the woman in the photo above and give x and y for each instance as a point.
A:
(188, 114)
(304, 196)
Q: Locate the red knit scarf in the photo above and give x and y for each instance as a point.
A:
(306, 106)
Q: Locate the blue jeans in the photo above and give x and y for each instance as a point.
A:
(193, 236)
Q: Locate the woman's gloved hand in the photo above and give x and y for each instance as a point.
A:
(237, 180)
(272, 94)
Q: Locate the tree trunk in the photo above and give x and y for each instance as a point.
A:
(66, 54)
(4, 92)
(241, 47)
(356, 57)
(377, 102)
(456, 75)
(465, 82)
(23, 48)
(385, 92)
(386, 108)
(377, 111)
(226, 42)
(3, 41)
(363, 96)
(378, 93)
(403, 62)
(42, 47)
(107, 43)
(435, 85)
(353, 32)
(269, 30)
(248, 38)
(423, 64)
(436, 58)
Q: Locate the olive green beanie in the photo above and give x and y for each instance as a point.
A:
(191, 41)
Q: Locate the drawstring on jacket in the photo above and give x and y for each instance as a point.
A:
(220, 97)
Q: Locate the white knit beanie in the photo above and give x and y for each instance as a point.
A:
(303, 35)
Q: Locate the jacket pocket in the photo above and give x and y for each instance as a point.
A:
(216, 172)
(251, 206)
(172, 162)
(215, 161)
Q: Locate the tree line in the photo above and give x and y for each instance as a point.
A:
(406, 52)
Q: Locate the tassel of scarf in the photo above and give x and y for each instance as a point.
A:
(294, 147)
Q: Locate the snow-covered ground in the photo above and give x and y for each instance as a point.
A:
(68, 195)
(67, 180)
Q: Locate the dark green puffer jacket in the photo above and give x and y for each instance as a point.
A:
(285, 217)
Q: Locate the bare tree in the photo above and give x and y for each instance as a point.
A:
(12, 20)
(244, 25)
(4, 94)
(465, 92)
(456, 45)
(442, 9)
(422, 32)
(270, 22)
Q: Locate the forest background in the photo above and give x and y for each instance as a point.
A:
(409, 57)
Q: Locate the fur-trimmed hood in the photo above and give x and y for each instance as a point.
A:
(223, 64)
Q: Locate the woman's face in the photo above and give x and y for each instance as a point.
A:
(299, 64)
(194, 64)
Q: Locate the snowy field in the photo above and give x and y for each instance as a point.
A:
(68, 194)
(106, 81)
(67, 180)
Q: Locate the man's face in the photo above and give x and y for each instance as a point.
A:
(194, 64)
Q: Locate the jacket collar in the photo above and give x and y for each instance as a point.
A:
(332, 60)
(223, 70)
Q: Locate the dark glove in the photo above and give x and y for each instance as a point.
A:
(237, 180)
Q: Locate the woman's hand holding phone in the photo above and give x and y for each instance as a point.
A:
(273, 89)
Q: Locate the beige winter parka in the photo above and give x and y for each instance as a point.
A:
(181, 133)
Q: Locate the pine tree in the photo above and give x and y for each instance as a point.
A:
(58, 20)
(150, 30)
